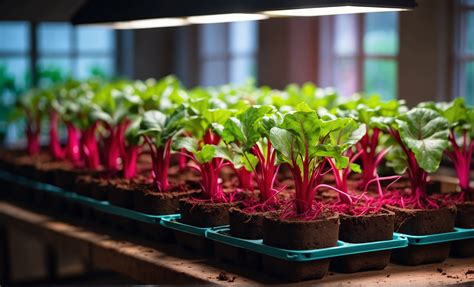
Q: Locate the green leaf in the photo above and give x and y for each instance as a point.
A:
(246, 128)
(206, 154)
(153, 121)
(397, 160)
(283, 141)
(425, 133)
(348, 135)
(188, 143)
(355, 167)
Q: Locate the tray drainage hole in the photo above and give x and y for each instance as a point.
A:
(307, 255)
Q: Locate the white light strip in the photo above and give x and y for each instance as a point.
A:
(222, 18)
(143, 24)
(308, 12)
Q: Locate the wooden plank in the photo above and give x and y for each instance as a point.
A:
(150, 262)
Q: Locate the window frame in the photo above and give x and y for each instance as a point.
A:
(326, 75)
(227, 56)
(74, 54)
(460, 57)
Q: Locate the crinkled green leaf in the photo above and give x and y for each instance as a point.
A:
(425, 133)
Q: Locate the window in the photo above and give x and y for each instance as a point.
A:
(61, 51)
(360, 53)
(78, 52)
(14, 66)
(464, 66)
(227, 53)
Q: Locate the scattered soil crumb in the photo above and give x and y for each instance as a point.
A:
(388, 275)
(453, 277)
(444, 273)
(469, 271)
(439, 270)
(223, 276)
(232, 280)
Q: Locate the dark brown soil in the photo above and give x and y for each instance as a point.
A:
(361, 229)
(65, 175)
(421, 254)
(197, 244)
(464, 219)
(465, 215)
(244, 224)
(146, 200)
(367, 228)
(204, 214)
(423, 222)
(300, 234)
(295, 271)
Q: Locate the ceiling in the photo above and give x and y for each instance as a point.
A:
(39, 10)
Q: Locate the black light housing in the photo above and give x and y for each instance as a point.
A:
(161, 13)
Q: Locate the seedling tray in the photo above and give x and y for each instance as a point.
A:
(173, 223)
(104, 206)
(457, 234)
(221, 234)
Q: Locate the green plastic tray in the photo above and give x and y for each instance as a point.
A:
(104, 206)
(221, 234)
(457, 234)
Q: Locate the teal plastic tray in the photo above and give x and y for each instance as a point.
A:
(457, 234)
(104, 206)
(221, 234)
(173, 223)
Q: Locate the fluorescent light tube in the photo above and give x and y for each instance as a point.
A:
(222, 18)
(308, 12)
(149, 23)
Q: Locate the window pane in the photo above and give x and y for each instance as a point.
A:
(469, 82)
(345, 37)
(14, 36)
(53, 69)
(96, 66)
(243, 37)
(17, 69)
(242, 69)
(469, 32)
(213, 73)
(54, 37)
(92, 39)
(212, 40)
(345, 77)
(381, 33)
(380, 76)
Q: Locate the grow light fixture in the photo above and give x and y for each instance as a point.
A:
(134, 14)
(150, 23)
(222, 18)
(308, 12)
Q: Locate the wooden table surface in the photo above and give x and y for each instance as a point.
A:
(149, 262)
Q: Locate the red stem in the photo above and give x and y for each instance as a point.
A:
(54, 142)
(73, 146)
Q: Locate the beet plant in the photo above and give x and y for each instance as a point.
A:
(461, 140)
(302, 143)
(113, 106)
(83, 125)
(248, 136)
(370, 149)
(159, 130)
(422, 136)
(33, 106)
(203, 145)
